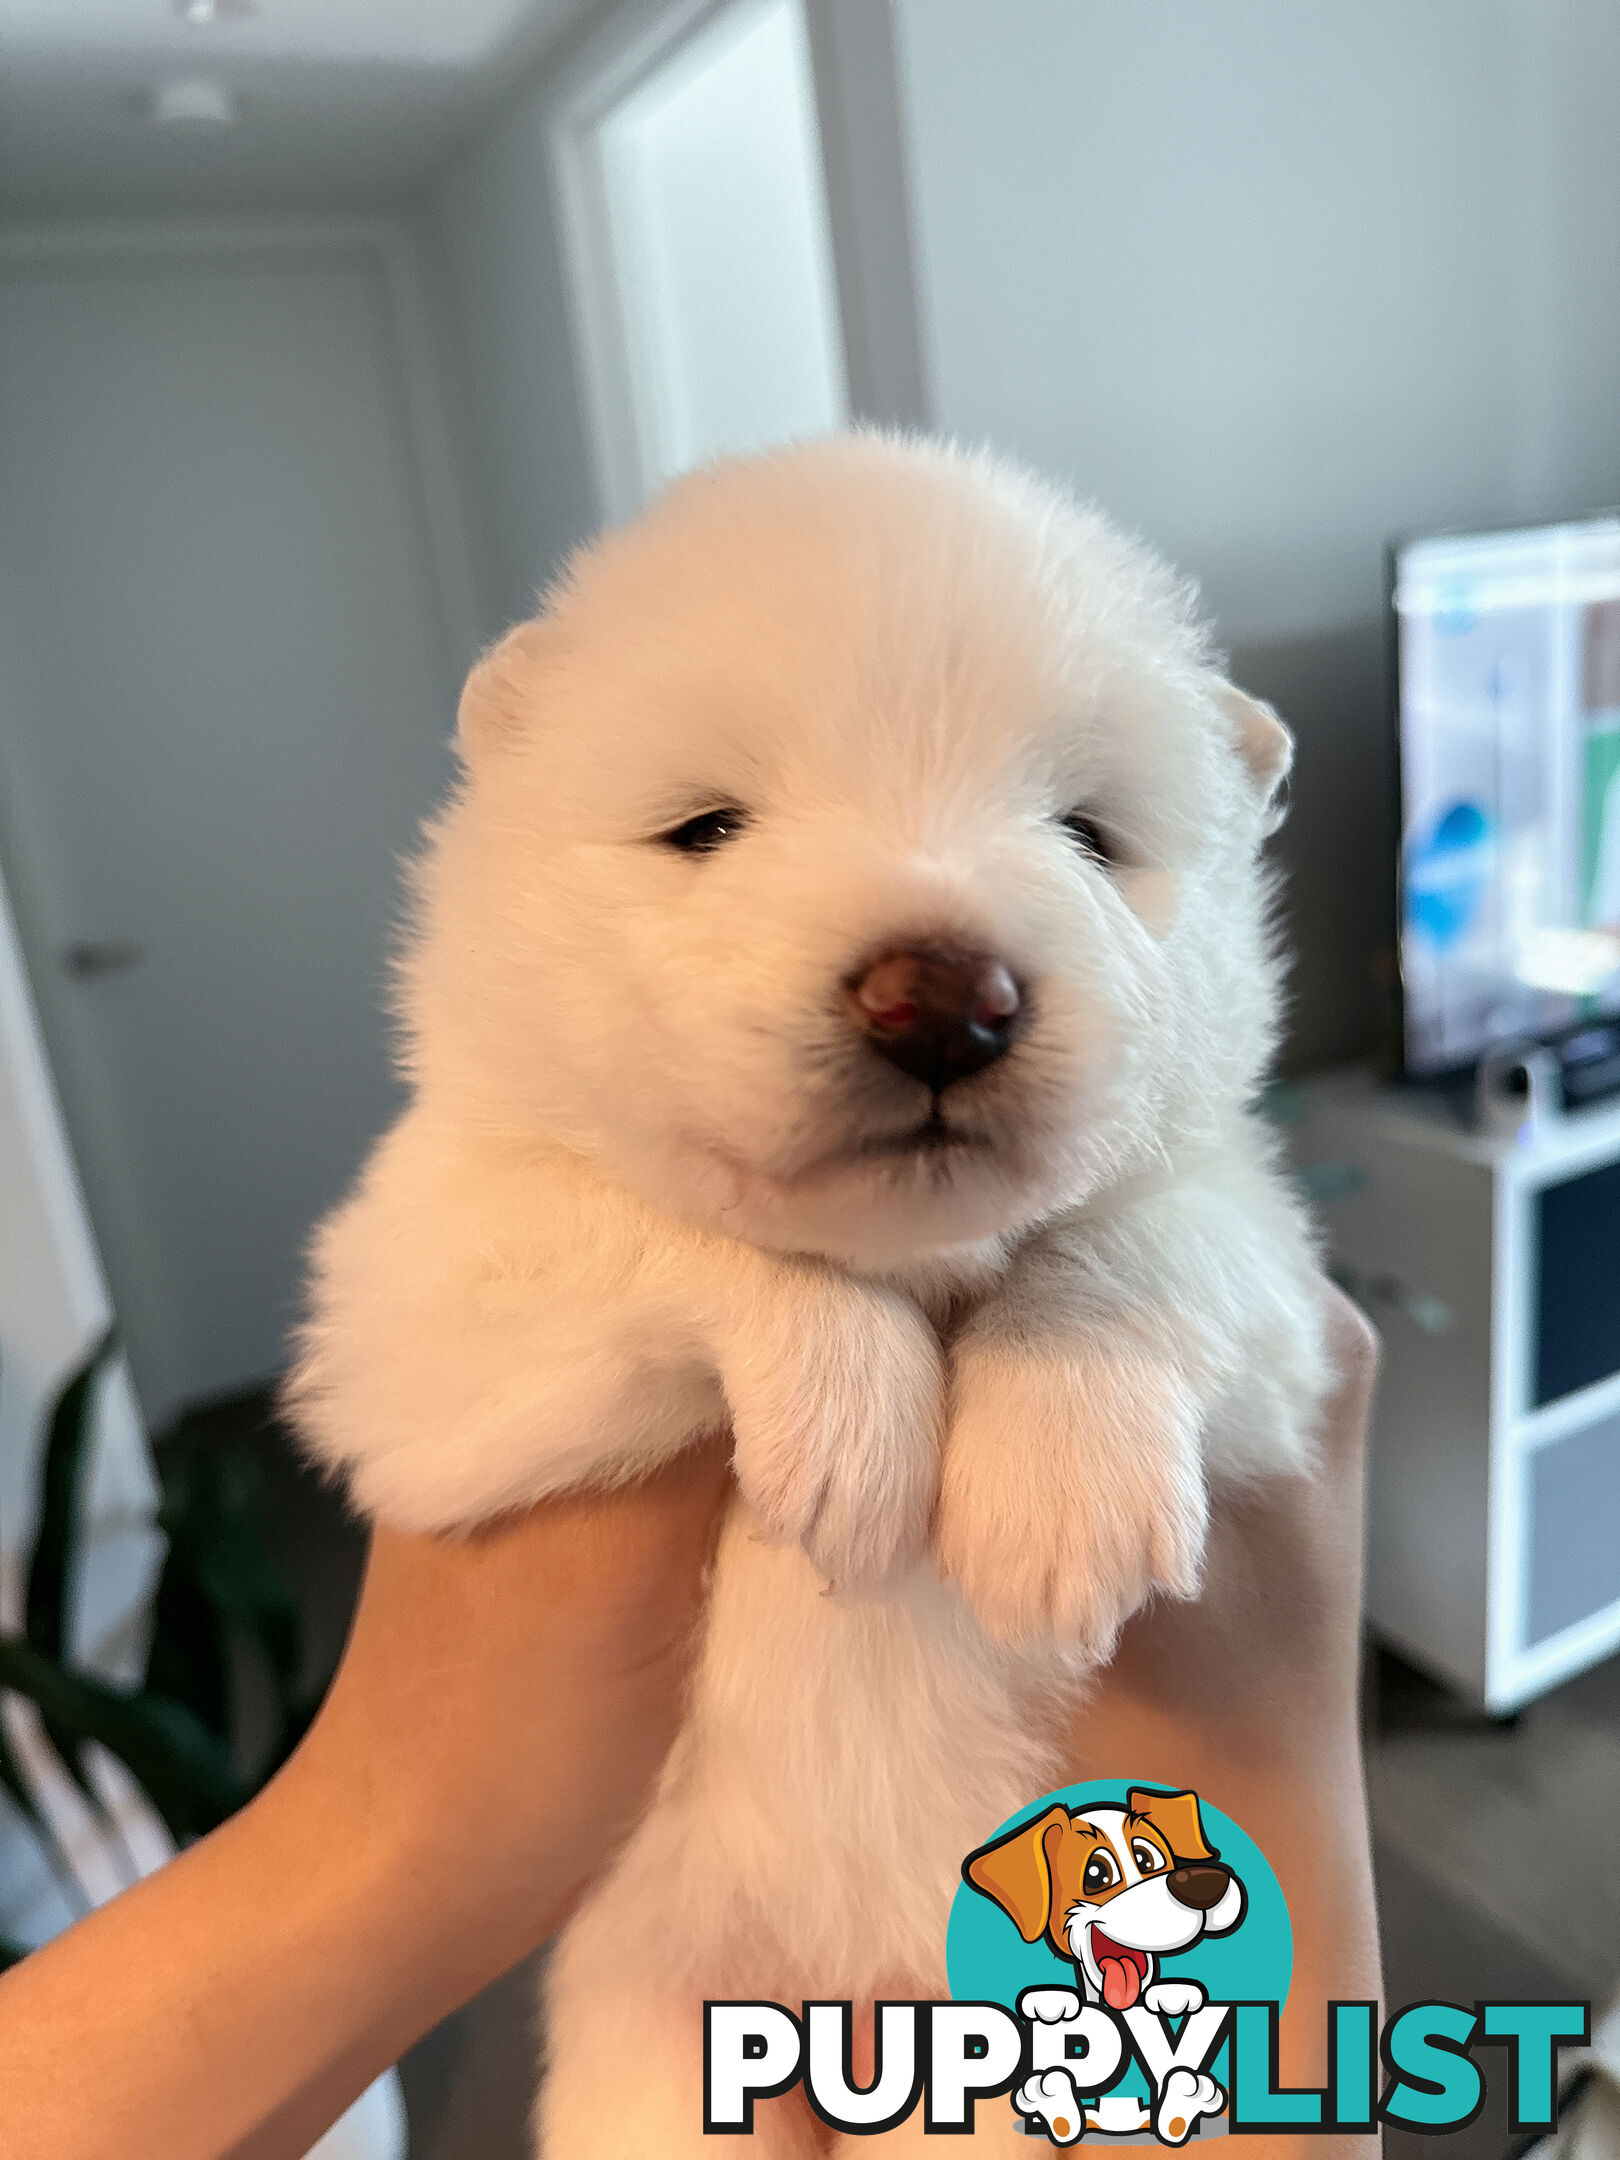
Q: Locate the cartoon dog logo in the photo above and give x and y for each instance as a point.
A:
(1114, 1889)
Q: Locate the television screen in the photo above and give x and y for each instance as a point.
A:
(1508, 648)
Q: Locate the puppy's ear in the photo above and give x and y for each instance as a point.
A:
(503, 692)
(1264, 744)
(1016, 1872)
(1176, 1818)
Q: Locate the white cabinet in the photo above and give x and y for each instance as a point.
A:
(1492, 1266)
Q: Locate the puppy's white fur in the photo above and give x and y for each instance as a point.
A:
(652, 1179)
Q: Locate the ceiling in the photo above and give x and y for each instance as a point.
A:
(341, 104)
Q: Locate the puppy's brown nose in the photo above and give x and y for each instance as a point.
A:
(938, 1014)
(1199, 1887)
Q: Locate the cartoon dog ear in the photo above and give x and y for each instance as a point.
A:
(1015, 1871)
(499, 697)
(1176, 1818)
(1264, 744)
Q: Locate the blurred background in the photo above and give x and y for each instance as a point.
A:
(328, 327)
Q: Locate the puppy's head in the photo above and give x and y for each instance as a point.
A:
(857, 855)
(1113, 1888)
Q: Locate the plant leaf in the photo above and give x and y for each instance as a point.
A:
(184, 1770)
(48, 1593)
(243, 1584)
(53, 1562)
(15, 1781)
(186, 1659)
(222, 1592)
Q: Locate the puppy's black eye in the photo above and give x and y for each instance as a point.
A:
(702, 835)
(1081, 826)
(1100, 1874)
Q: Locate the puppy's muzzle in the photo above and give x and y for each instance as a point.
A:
(938, 1014)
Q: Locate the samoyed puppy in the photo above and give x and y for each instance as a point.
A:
(837, 993)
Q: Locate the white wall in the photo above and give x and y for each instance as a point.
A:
(489, 241)
(716, 218)
(1274, 279)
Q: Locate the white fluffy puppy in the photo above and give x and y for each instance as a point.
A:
(835, 999)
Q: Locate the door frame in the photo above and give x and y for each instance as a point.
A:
(865, 167)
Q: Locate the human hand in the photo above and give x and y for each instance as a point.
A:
(1250, 1697)
(507, 1697)
(1264, 1663)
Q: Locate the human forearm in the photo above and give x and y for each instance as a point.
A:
(503, 1705)
(233, 2003)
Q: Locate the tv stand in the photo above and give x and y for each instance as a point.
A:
(1589, 1065)
(1491, 1263)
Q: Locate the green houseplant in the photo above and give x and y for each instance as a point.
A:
(221, 1605)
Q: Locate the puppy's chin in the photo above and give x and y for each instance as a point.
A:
(886, 1204)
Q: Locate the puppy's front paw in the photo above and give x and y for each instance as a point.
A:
(1049, 2005)
(837, 1434)
(1188, 2095)
(1174, 1998)
(1050, 2099)
(1072, 1489)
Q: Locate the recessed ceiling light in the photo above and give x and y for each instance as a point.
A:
(203, 12)
(193, 101)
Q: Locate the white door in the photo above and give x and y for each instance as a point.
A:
(225, 686)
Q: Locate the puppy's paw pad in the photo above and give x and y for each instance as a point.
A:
(1049, 2005)
(1051, 2100)
(1175, 1998)
(1185, 2098)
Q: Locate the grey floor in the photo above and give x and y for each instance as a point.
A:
(1517, 1825)
(1498, 1853)
(1497, 1846)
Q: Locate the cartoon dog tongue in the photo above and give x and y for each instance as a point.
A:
(1121, 1974)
